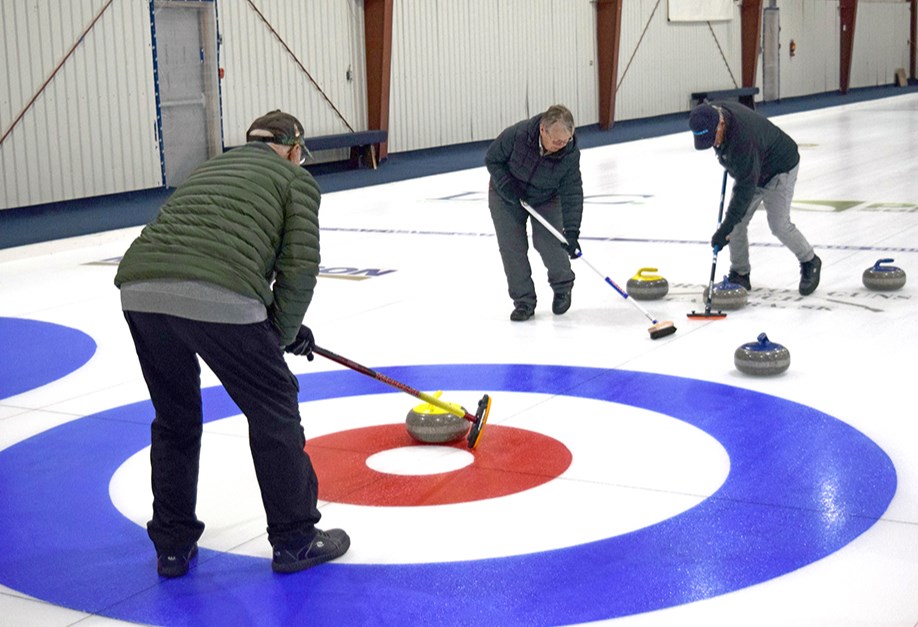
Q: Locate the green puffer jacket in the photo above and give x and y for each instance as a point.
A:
(246, 220)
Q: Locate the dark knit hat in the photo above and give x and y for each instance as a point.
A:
(703, 121)
(276, 127)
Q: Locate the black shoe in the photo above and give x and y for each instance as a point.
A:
(522, 313)
(809, 275)
(561, 303)
(175, 563)
(739, 279)
(324, 547)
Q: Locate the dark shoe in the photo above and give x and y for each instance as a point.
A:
(324, 547)
(175, 563)
(522, 313)
(809, 275)
(739, 279)
(561, 303)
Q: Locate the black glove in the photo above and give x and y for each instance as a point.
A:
(303, 344)
(573, 246)
(719, 240)
(513, 191)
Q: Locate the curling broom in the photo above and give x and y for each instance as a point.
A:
(658, 330)
(707, 314)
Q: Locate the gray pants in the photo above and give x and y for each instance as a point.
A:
(776, 196)
(510, 226)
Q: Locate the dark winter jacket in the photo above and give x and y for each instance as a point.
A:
(246, 220)
(753, 151)
(519, 171)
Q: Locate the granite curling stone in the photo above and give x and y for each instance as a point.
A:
(643, 286)
(883, 278)
(434, 425)
(762, 357)
(727, 295)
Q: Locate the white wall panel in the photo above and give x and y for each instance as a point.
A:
(464, 71)
(91, 131)
(813, 26)
(881, 38)
(672, 60)
(325, 36)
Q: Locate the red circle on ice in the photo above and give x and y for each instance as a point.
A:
(507, 461)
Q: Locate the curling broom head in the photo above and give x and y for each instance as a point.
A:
(481, 418)
(661, 329)
(706, 315)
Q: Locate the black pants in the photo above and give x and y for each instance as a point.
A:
(250, 365)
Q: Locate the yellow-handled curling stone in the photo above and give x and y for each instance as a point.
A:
(647, 286)
(434, 425)
(478, 420)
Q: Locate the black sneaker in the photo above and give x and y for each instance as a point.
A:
(809, 275)
(522, 313)
(324, 547)
(561, 303)
(740, 279)
(175, 563)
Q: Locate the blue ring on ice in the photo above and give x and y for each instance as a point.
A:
(801, 486)
(34, 353)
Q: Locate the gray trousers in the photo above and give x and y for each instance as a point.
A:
(776, 196)
(510, 226)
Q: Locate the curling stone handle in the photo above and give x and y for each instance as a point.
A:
(643, 276)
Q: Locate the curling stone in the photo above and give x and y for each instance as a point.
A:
(727, 295)
(647, 286)
(762, 358)
(434, 425)
(883, 278)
